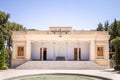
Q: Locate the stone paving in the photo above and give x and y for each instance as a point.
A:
(107, 73)
(65, 65)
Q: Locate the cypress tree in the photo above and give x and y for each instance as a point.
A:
(100, 27)
(114, 30)
(2, 51)
(106, 26)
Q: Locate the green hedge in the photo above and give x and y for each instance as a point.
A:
(4, 67)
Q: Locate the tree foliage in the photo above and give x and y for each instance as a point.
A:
(2, 51)
(106, 26)
(116, 43)
(114, 29)
(100, 27)
(3, 20)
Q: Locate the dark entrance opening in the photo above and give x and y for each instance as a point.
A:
(79, 53)
(44, 53)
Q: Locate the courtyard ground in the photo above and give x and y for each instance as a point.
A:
(107, 73)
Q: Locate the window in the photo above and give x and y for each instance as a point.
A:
(20, 51)
(100, 51)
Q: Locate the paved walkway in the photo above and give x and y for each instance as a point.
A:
(108, 73)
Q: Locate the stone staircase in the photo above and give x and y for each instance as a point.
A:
(66, 65)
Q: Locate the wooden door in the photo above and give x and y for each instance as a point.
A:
(75, 53)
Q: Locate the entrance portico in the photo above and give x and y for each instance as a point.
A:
(67, 49)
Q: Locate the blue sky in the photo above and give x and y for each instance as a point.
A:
(80, 14)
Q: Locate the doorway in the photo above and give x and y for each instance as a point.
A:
(79, 53)
(44, 53)
(75, 53)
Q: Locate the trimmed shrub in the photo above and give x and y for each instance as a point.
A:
(4, 67)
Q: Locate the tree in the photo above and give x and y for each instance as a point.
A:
(2, 51)
(100, 27)
(116, 43)
(3, 20)
(118, 28)
(106, 26)
(114, 29)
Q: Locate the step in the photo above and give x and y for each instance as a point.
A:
(60, 58)
(60, 65)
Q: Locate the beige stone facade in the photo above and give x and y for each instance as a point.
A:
(60, 43)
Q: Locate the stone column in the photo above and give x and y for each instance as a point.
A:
(42, 44)
(106, 52)
(54, 50)
(28, 50)
(66, 50)
(92, 50)
(78, 51)
(14, 50)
